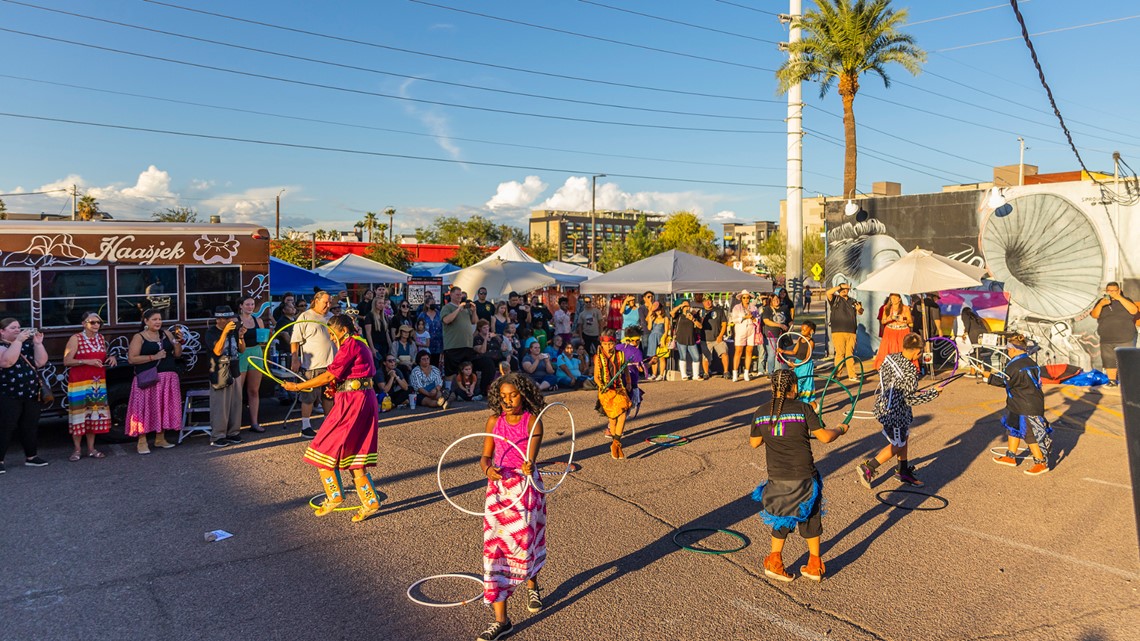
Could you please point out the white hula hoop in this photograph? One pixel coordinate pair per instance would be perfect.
(265, 366)
(780, 356)
(569, 461)
(444, 576)
(439, 474)
(863, 415)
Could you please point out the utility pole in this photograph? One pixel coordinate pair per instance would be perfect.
(313, 251)
(1021, 162)
(278, 235)
(74, 203)
(594, 220)
(794, 269)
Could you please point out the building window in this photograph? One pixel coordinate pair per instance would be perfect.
(138, 289)
(208, 287)
(68, 293)
(16, 295)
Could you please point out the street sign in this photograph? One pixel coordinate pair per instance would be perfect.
(816, 271)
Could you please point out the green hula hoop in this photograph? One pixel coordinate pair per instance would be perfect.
(831, 379)
(743, 541)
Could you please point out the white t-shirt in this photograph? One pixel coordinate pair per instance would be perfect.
(561, 322)
(315, 345)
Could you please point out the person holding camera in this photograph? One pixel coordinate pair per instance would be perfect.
(21, 354)
(459, 320)
(227, 341)
(1115, 316)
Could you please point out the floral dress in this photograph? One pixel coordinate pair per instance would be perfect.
(87, 408)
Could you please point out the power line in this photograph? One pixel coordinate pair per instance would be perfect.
(591, 37)
(384, 95)
(878, 155)
(386, 73)
(34, 193)
(391, 130)
(958, 15)
(744, 6)
(362, 152)
(1039, 33)
(489, 65)
(678, 22)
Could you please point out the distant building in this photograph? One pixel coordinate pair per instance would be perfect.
(748, 236)
(569, 232)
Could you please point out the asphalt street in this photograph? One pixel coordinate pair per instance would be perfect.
(114, 548)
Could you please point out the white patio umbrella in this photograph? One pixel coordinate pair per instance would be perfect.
(503, 277)
(922, 271)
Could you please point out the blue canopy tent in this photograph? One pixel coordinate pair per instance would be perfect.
(428, 270)
(286, 277)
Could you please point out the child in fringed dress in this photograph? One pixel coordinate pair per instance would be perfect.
(793, 494)
(514, 536)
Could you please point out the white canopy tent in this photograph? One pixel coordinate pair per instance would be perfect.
(674, 272)
(508, 253)
(567, 274)
(351, 268)
(500, 277)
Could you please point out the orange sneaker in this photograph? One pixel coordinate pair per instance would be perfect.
(813, 570)
(1006, 459)
(774, 568)
(1038, 468)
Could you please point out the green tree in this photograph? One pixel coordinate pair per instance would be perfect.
(641, 242)
(451, 230)
(467, 255)
(774, 252)
(813, 253)
(88, 208)
(685, 232)
(844, 39)
(176, 215)
(292, 250)
(390, 254)
(369, 223)
(542, 251)
(614, 254)
(3, 211)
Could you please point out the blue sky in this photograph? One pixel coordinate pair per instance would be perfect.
(719, 78)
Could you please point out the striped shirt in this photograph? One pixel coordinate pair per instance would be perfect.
(787, 439)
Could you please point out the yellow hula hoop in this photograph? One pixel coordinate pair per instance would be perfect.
(265, 350)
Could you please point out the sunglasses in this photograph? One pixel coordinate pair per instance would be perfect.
(94, 322)
(389, 360)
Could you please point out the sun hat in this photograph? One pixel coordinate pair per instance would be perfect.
(743, 293)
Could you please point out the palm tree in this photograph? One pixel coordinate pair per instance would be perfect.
(391, 213)
(88, 208)
(369, 223)
(844, 39)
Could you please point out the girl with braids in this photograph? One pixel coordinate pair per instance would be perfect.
(514, 538)
(611, 374)
(792, 495)
(347, 439)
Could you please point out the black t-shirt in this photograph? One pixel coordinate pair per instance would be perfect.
(712, 321)
(484, 310)
(684, 330)
(540, 313)
(523, 317)
(19, 380)
(787, 441)
(843, 316)
(1115, 325)
(776, 315)
(1022, 382)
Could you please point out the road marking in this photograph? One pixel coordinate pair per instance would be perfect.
(1068, 391)
(781, 622)
(1120, 485)
(1132, 576)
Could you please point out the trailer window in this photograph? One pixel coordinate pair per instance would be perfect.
(208, 287)
(140, 288)
(16, 295)
(68, 293)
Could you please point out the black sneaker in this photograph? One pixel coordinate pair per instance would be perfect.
(35, 461)
(534, 599)
(222, 442)
(308, 432)
(497, 630)
(234, 440)
(906, 475)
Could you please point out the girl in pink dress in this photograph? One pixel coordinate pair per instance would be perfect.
(514, 538)
(347, 438)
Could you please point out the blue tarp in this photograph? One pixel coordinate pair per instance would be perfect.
(286, 277)
(427, 270)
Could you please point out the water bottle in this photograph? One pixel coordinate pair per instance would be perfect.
(412, 401)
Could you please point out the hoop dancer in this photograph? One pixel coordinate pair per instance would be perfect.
(612, 377)
(347, 439)
(514, 538)
(1024, 407)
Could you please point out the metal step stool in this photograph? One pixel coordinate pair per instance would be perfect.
(197, 403)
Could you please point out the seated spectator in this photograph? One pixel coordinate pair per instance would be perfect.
(427, 382)
(466, 385)
(391, 383)
(555, 347)
(569, 369)
(538, 366)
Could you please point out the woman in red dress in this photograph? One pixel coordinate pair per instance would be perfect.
(347, 438)
(86, 359)
(895, 319)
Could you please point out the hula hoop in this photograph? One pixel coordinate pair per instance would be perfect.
(943, 383)
(266, 369)
(344, 508)
(265, 350)
(831, 379)
(439, 474)
(917, 508)
(569, 461)
(953, 346)
(780, 357)
(672, 440)
(863, 415)
(743, 541)
(570, 467)
(1000, 451)
(444, 576)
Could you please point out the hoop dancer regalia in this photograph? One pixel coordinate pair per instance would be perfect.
(347, 439)
(1024, 417)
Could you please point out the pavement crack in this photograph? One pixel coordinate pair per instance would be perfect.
(1020, 633)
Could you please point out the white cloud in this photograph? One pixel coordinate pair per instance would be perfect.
(256, 206)
(515, 195)
(151, 184)
(726, 216)
(575, 195)
(435, 121)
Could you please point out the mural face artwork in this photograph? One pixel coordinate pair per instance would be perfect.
(1051, 252)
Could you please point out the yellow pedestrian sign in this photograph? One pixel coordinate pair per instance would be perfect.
(816, 271)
